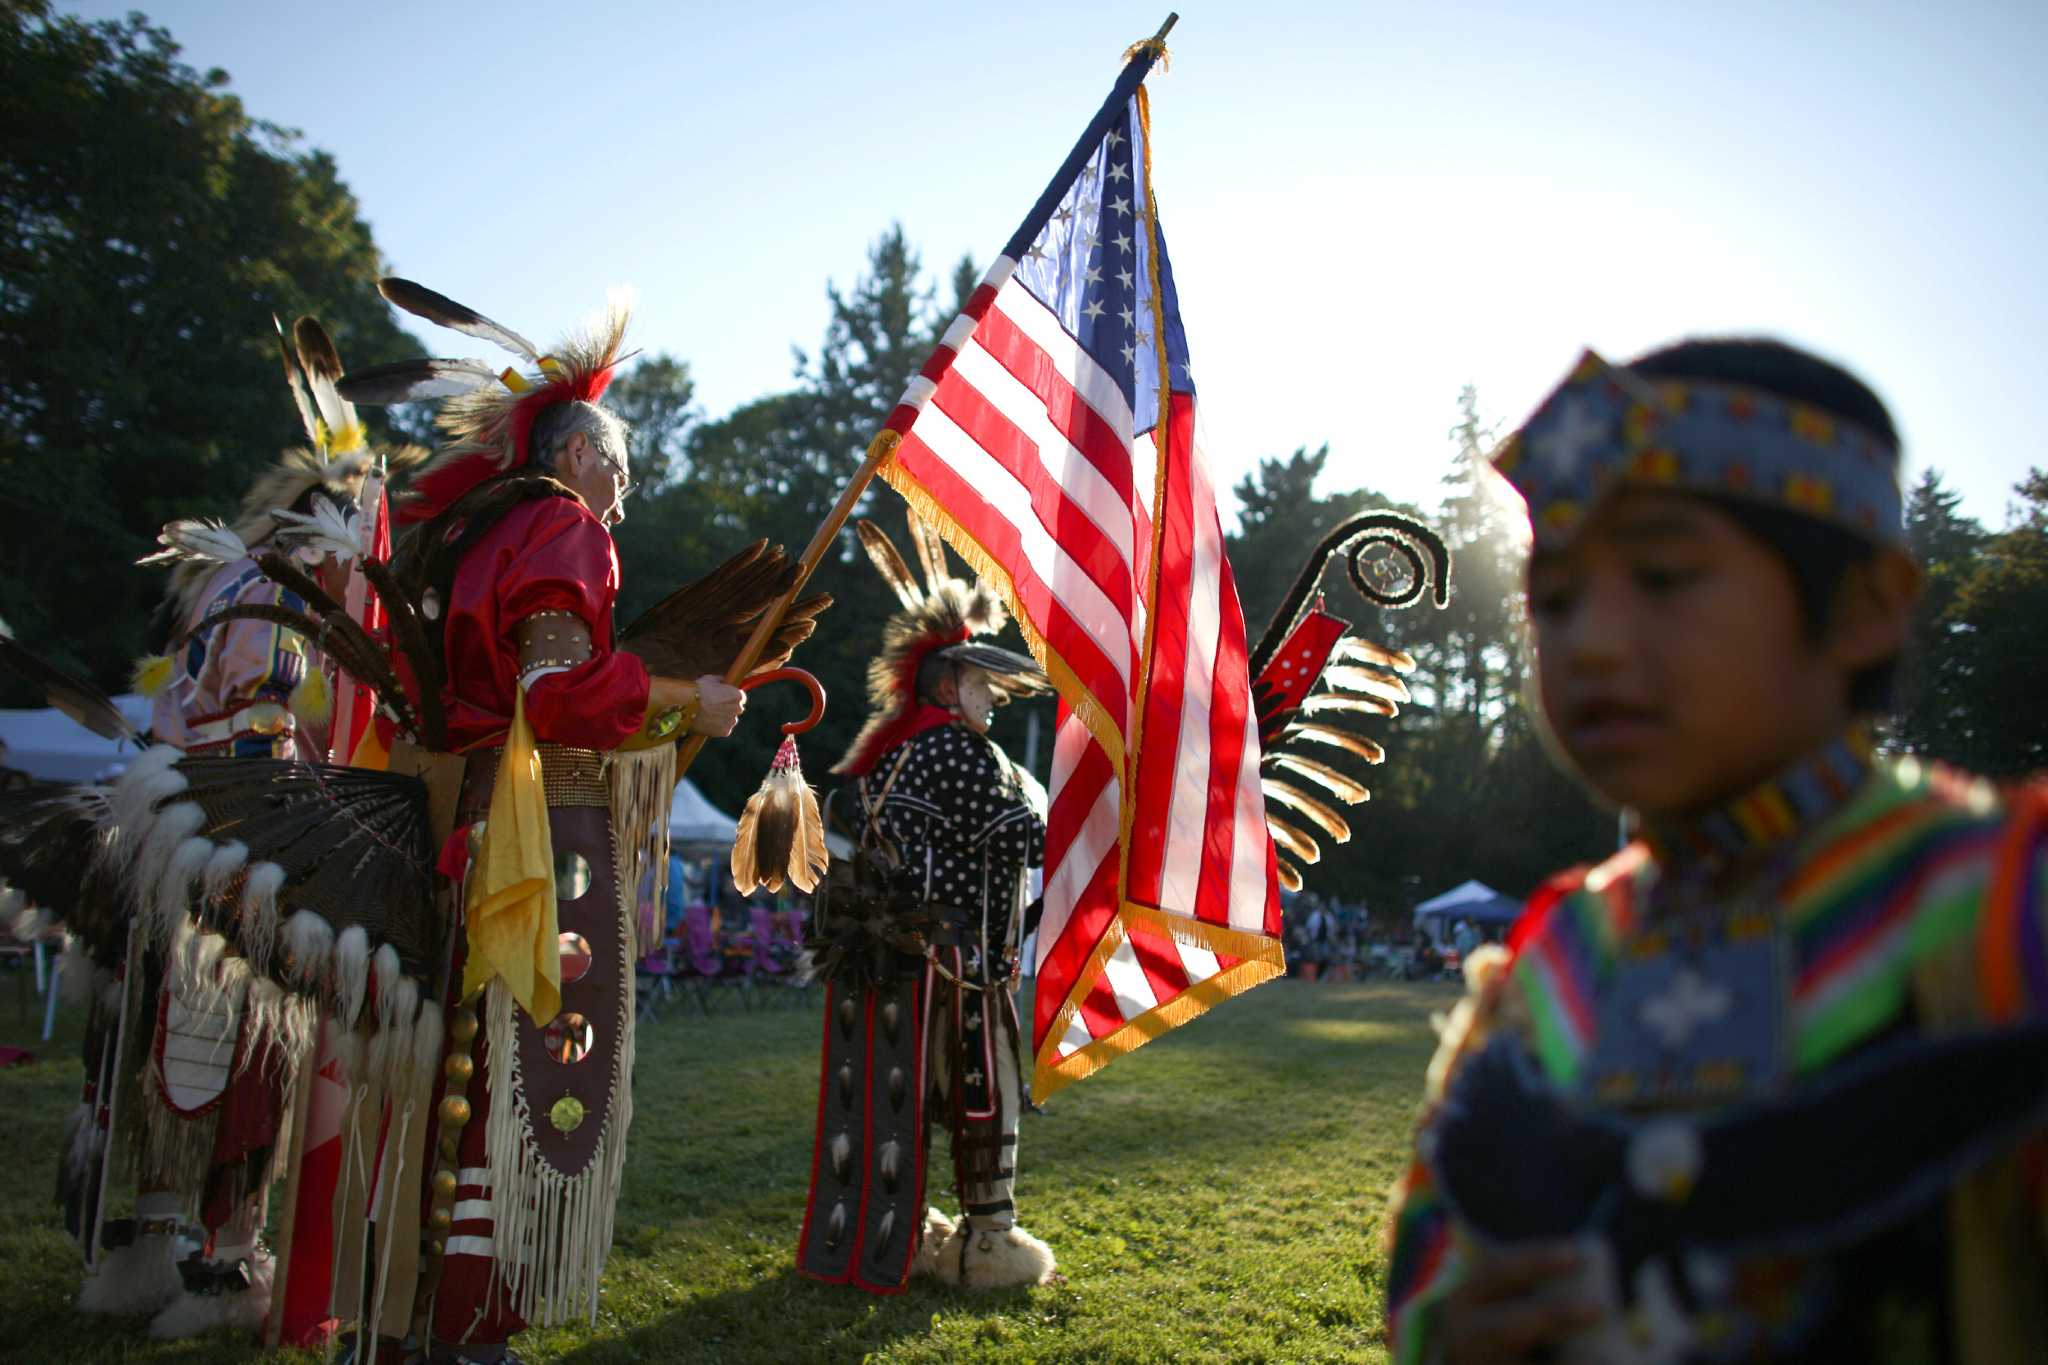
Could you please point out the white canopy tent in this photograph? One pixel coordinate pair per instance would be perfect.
(50, 746)
(695, 826)
(1472, 900)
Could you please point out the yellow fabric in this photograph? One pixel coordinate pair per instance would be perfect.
(511, 901)
(370, 751)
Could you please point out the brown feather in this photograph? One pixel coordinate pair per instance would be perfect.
(1348, 678)
(1293, 840)
(293, 382)
(930, 547)
(438, 308)
(1331, 735)
(407, 381)
(781, 837)
(316, 349)
(1379, 656)
(889, 563)
(701, 627)
(74, 696)
(1347, 701)
(1345, 789)
(1290, 875)
(808, 856)
(1314, 811)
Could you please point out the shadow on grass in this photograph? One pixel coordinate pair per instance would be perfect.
(788, 1317)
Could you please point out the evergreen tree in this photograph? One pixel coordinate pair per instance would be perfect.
(1930, 717)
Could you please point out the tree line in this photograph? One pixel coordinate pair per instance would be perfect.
(150, 226)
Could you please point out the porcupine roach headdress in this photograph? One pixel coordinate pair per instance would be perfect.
(941, 619)
(335, 460)
(489, 412)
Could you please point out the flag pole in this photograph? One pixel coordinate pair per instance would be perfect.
(884, 444)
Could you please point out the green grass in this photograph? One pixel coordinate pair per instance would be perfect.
(1213, 1197)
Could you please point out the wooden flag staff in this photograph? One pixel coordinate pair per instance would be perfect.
(879, 452)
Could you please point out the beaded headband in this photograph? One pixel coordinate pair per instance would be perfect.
(1606, 426)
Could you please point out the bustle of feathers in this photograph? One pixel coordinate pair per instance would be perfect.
(781, 836)
(1356, 676)
(701, 627)
(487, 424)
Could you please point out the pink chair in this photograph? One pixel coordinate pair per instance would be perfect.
(703, 965)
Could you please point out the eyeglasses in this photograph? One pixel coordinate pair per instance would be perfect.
(618, 467)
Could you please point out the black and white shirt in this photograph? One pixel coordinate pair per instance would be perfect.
(960, 814)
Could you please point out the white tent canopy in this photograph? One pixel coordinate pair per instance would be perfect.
(692, 820)
(1473, 900)
(49, 745)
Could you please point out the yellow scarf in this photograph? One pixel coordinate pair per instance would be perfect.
(511, 900)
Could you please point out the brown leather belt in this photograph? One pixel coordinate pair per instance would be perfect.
(570, 777)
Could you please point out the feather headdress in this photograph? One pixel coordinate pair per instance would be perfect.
(336, 458)
(488, 413)
(941, 618)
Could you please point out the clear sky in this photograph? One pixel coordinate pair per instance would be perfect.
(1369, 205)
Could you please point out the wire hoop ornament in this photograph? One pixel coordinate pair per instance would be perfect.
(1392, 559)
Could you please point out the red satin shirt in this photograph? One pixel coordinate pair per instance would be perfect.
(550, 554)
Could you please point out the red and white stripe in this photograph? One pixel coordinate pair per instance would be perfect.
(1027, 447)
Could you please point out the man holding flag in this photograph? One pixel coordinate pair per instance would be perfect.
(1049, 439)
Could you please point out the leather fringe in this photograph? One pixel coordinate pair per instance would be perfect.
(643, 784)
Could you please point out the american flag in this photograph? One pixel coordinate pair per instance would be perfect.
(1051, 437)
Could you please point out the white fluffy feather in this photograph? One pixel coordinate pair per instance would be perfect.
(197, 538)
(351, 974)
(329, 528)
(308, 941)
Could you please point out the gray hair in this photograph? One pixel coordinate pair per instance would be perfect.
(556, 424)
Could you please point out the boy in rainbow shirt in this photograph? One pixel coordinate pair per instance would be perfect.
(1771, 1083)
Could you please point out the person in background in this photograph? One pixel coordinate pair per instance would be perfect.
(1464, 938)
